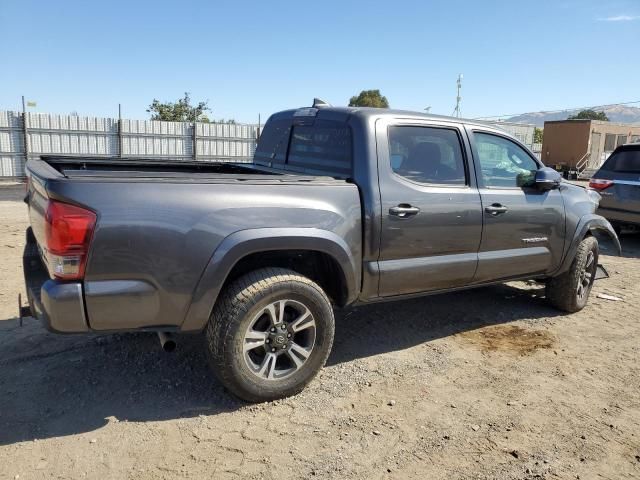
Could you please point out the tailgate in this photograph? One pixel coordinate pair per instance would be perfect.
(37, 200)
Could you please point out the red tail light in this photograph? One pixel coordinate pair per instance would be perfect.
(598, 184)
(68, 234)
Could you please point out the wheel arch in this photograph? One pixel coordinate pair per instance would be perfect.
(589, 225)
(275, 247)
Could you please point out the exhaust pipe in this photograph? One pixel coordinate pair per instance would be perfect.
(167, 342)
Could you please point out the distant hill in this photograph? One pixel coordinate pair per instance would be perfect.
(618, 113)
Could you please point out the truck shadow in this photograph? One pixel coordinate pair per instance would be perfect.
(629, 240)
(630, 245)
(374, 329)
(63, 385)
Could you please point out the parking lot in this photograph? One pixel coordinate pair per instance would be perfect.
(487, 383)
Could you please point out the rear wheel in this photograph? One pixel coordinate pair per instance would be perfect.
(270, 333)
(570, 291)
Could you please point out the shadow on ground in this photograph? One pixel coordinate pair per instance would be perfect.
(630, 245)
(53, 385)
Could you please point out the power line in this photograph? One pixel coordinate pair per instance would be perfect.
(557, 111)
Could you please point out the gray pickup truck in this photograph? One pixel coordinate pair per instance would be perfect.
(340, 206)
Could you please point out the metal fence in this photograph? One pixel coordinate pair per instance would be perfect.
(522, 131)
(29, 135)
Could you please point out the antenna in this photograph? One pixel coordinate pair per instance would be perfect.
(319, 103)
(456, 111)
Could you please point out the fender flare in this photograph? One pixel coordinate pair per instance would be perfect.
(245, 242)
(588, 223)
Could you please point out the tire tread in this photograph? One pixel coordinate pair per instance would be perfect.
(233, 304)
(560, 290)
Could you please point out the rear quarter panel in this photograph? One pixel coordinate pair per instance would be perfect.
(153, 240)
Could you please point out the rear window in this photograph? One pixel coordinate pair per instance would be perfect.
(625, 161)
(323, 148)
(273, 143)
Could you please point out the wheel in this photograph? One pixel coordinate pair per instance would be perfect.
(570, 290)
(269, 334)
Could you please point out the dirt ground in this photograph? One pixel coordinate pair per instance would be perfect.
(484, 384)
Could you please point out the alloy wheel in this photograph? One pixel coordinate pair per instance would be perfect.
(279, 339)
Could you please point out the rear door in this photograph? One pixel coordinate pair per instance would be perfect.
(431, 213)
(523, 232)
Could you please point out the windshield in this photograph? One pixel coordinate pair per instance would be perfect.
(627, 161)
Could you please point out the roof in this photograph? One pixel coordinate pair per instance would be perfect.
(370, 112)
(597, 122)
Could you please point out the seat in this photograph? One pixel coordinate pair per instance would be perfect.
(422, 162)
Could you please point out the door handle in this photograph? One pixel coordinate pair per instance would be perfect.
(404, 210)
(496, 209)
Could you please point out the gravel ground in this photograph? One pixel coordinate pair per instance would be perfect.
(490, 383)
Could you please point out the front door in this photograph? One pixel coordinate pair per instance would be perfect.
(523, 231)
(431, 213)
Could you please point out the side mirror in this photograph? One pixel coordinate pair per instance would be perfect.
(547, 179)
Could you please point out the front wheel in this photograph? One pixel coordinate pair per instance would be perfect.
(570, 290)
(270, 333)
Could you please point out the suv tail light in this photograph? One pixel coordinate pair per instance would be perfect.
(598, 184)
(68, 232)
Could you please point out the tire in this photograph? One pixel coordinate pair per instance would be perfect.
(259, 353)
(570, 291)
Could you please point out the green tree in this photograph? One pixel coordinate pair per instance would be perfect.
(369, 98)
(180, 111)
(537, 135)
(589, 115)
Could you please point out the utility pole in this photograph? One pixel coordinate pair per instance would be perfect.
(456, 111)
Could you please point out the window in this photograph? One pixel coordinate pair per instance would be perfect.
(625, 161)
(324, 146)
(622, 139)
(427, 155)
(504, 163)
(609, 142)
(272, 146)
(635, 139)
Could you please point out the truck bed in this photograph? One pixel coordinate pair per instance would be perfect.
(121, 169)
(159, 224)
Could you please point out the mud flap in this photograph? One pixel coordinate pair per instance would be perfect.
(601, 272)
(23, 312)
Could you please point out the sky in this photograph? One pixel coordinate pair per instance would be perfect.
(258, 57)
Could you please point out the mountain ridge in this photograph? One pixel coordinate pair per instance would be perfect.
(616, 114)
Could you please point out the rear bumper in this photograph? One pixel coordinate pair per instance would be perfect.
(620, 216)
(59, 305)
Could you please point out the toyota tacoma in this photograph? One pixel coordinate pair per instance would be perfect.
(340, 206)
